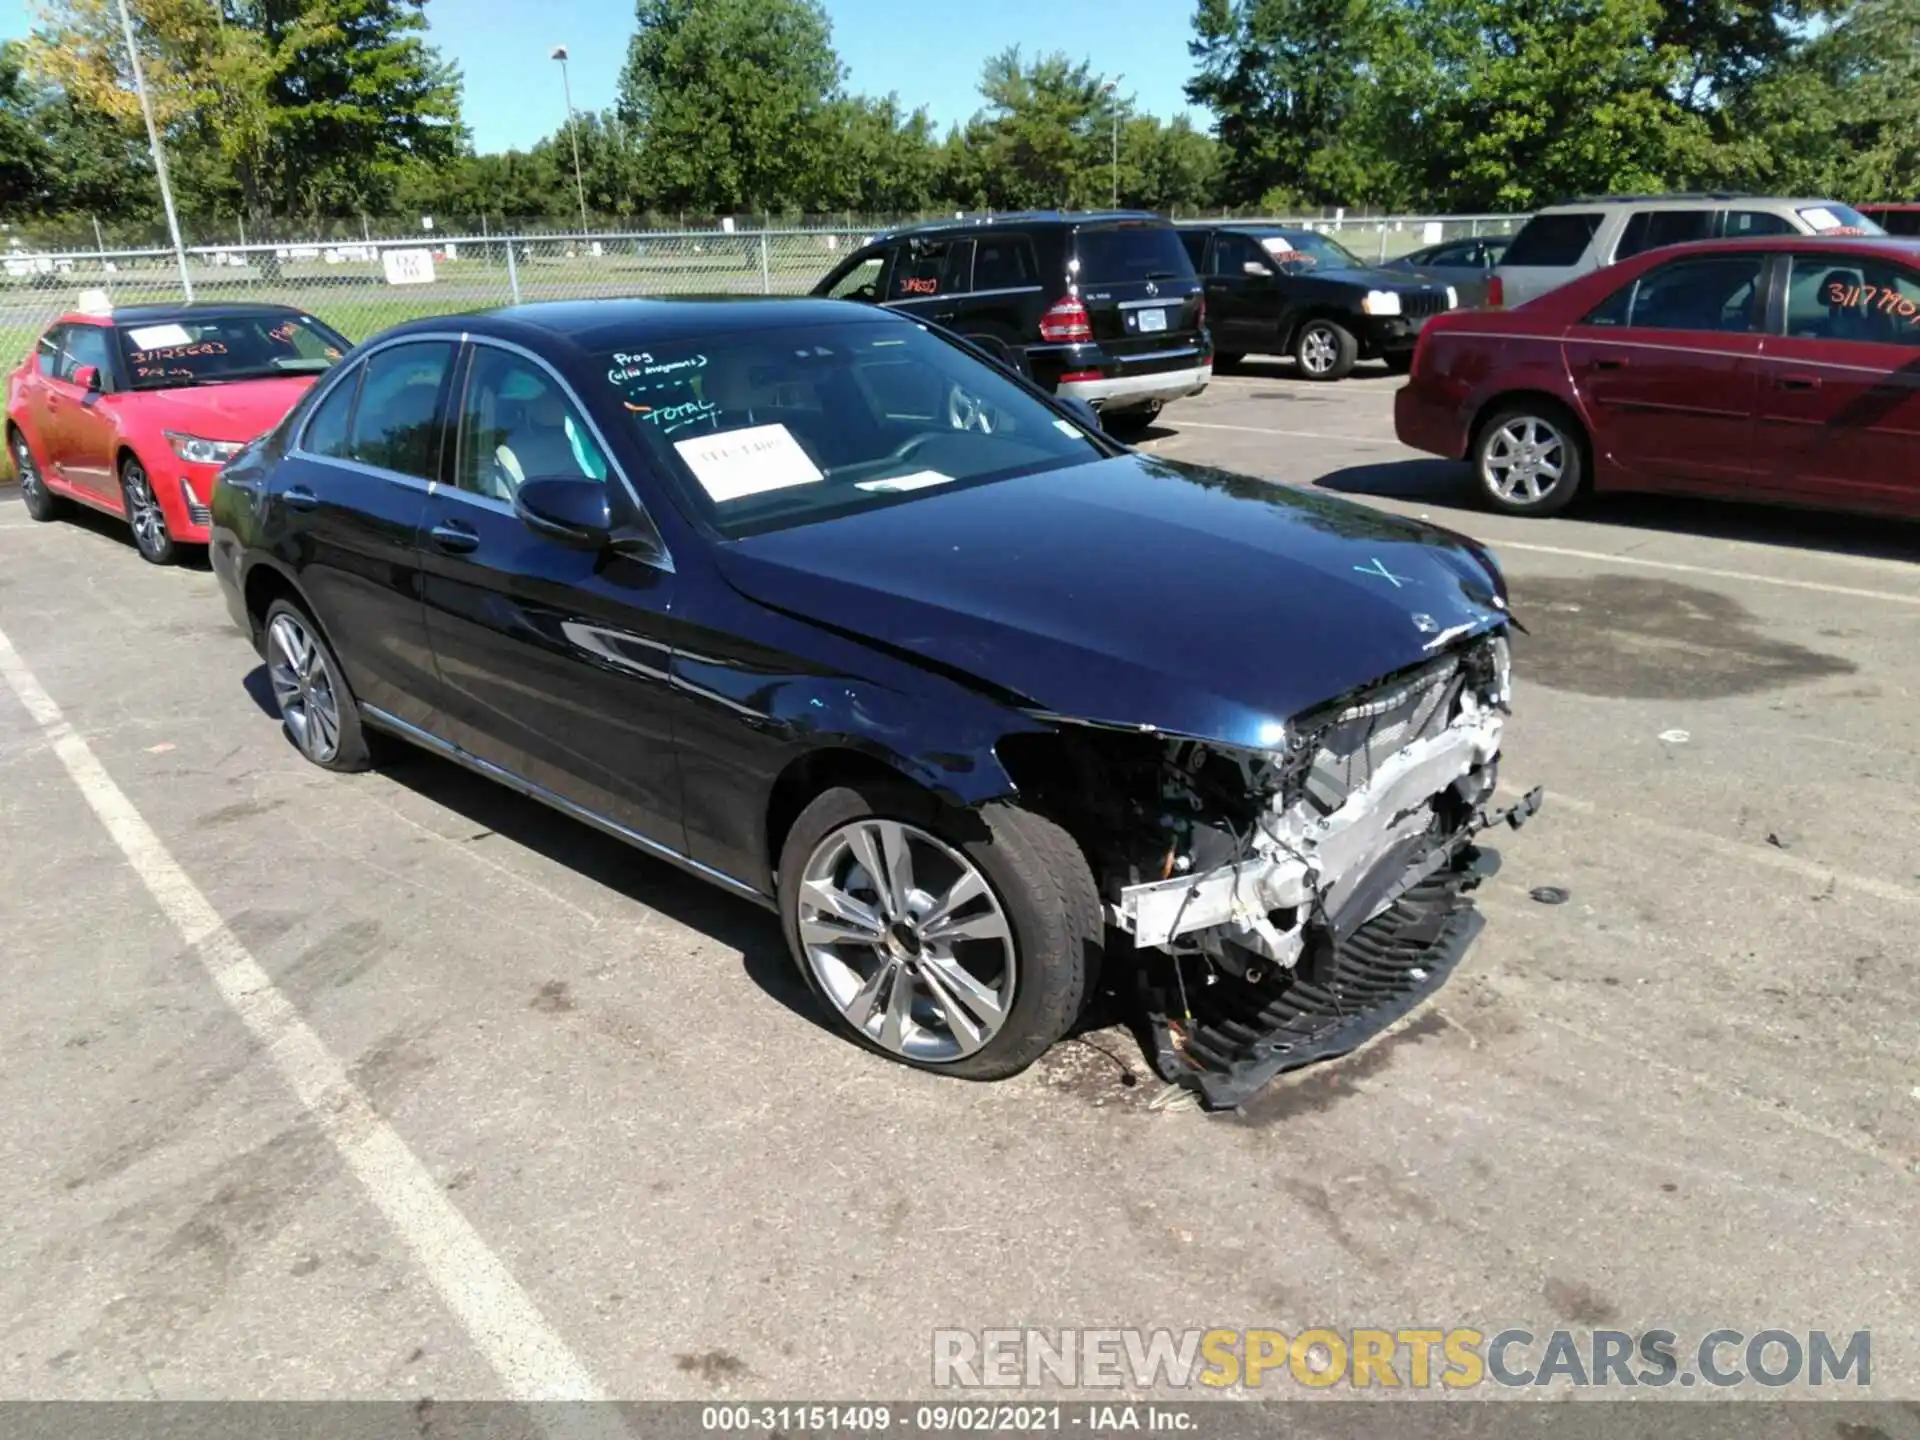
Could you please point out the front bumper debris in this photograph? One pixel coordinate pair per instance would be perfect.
(1224, 1036)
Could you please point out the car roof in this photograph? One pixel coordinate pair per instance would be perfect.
(158, 314)
(1015, 217)
(1248, 227)
(605, 324)
(1685, 200)
(1897, 247)
(1881, 207)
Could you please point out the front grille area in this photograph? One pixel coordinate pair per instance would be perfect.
(1419, 304)
(1355, 740)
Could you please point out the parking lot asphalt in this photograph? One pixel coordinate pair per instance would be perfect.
(582, 1128)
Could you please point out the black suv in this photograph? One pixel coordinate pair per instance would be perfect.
(1100, 306)
(1282, 291)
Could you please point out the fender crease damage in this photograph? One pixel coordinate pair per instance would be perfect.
(1286, 904)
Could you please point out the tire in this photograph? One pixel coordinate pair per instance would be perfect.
(1033, 914)
(1530, 459)
(36, 499)
(1398, 362)
(150, 535)
(305, 676)
(1129, 424)
(1325, 350)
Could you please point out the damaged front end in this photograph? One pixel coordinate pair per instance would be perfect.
(1286, 903)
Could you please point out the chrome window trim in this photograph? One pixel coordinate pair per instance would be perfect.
(1156, 355)
(663, 560)
(1160, 302)
(427, 740)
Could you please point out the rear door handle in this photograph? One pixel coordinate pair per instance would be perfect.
(454, 538)
(1798, 382)
(301, 498)
(1614, 363)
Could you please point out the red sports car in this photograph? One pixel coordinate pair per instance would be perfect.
(134, 412)
(1784, 369)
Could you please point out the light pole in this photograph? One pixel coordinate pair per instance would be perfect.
(1111, 90)
(159, 155)
(573, 130)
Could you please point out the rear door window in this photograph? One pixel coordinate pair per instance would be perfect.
(1108, 253)
(1553, 240)
(1866, 301)
(1716, 293)
(1003, 262)
(396, 425)
(1650, 229)
(928, 268)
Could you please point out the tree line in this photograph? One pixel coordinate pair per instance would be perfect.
(282, 115)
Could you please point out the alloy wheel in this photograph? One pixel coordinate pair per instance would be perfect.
(1318, 350)
(303, 686)
(32, 487)
(143, 510)
(906, 938)
(1524, 460)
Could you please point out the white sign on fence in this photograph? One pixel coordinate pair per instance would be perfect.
(408, 267)
(1430, 233)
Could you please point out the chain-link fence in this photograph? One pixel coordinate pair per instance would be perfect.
(362, 286)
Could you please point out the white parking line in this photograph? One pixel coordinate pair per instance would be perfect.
(1679, 568)
(1185, 424)
(531, 1359)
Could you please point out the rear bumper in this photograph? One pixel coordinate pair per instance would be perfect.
(1124, 392)
(1422, 422)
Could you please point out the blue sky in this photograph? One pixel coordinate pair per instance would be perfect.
(929, 56)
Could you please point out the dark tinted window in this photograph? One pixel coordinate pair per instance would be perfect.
(328, 432)
(1003, 262)
(1233, 253)
(1552, 239)
(1711, 293)
(395, 424)
(1650, 229)
(1744, 224)
(1130, 252)
(1867, 301)
(1899, 222)
(1196, 243)
(926, 268)
(82, 345)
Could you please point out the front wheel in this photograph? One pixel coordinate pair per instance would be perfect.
(1529, 460)
(144, 514)
(39, 502)
(958, 941)
(1325, 351)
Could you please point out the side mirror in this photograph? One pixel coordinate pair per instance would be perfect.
(1081, 411)
(572, 512)
(1254, 267)
(87, 377)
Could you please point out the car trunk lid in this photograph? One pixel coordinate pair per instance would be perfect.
(1141, 295)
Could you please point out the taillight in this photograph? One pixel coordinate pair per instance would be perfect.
(1201, 321)
(1075, 376)
(1067, 321)
(1496, 293)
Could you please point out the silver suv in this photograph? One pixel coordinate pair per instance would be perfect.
(1565, 241)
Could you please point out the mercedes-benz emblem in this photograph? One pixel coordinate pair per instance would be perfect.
(1152, 289)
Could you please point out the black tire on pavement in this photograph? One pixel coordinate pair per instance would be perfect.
(297, 683)
(1325, 350)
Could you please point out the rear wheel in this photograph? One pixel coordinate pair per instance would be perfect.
(956, 941)
(39, 502)
(144, 514)
(1325, 351)
(1530, 459)
(316, 707)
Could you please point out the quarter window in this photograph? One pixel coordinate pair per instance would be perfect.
(1866, 301)
(862, 282)
(47, 352)
(329, 432)
(396, 424)
(516, 425)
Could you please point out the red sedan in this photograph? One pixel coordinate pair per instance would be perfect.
(1784, 369)
(134, 412)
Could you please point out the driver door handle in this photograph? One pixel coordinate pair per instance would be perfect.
(301, 498)
(454, 538)
(1611, 362)
(1798, 382)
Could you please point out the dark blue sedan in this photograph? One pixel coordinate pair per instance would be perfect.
(827, 608)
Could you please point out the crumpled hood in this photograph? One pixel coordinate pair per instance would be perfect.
(238, 410)
(1134, 591)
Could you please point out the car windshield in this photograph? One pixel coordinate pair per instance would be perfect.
(782, 427)
(1835, 219)
(1305, 250)
(214, 349)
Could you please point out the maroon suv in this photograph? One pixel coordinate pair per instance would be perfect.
(1784, 369)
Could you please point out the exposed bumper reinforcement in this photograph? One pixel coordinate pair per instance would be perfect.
(1235, 1036)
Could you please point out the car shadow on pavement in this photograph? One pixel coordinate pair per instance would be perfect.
(1276, 367)
(112, 527)
(684, 899)
(1450, 483)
